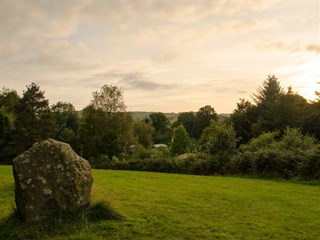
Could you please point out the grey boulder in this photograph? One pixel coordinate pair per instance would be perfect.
(51, 180)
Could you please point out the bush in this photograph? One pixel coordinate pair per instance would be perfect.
(293, 140)
(180, 140)
(310, 165)
(144, 153)
(294, 155)
(263, 141)
(241, 163)
(218, 138)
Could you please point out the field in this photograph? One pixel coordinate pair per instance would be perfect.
(169, 206)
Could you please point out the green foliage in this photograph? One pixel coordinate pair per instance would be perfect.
(218, 138)
(263, 141)
(287, 157)
(143, 133)
(243, 119)
(33, 120)
(311, 119)
(289, 111)
(204, 117)
(144, 153)
(106, 130)
(273, 110)
(8, 99)
(109, 99)
(187, 119)
(310, 164)
(180, 140)
(269, 92)
(272, 144)
(294, 140)
(67, 135)
(67, 123)
(161, 125)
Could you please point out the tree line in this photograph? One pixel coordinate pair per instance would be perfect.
(275, 134)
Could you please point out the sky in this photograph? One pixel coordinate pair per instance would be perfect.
(166, 56)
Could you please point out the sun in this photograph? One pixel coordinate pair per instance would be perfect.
(305, 78)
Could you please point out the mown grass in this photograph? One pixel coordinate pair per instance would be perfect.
(170, 206)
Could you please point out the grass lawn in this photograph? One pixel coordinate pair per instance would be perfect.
(170, 206)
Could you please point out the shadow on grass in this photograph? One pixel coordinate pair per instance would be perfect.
(13, 228)
(101, 211)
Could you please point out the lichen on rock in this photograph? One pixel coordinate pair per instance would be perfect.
(52, 179)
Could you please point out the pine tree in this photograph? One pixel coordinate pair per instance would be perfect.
(267, 100)
(33, 119)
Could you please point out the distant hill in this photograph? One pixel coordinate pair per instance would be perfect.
(142, 115)
(171, 116)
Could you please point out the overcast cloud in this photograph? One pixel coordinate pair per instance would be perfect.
(166, 55)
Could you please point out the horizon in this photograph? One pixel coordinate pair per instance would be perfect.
(175, 57)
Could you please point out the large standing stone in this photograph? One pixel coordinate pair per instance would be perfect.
(51, 179)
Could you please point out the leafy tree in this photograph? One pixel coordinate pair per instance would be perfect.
(92, 127)
(161, 124)
(187, 119)
(180, 140)
(311, 119)
(65, 116)
(106, 130)
(109, 99)
(218, 138)
(6, 127)
(243, 118)
(273, 110)
(67, 123)
(8, 100)
(67, 135)
(33, 119)
(159, 121)
(204, 117)
(288, 111)
(143, 133)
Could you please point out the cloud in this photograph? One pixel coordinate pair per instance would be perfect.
(314, 48)
(170, 11)
(166, 57)
(35, 33)
(55, 55)
(138, 80)
(292, 47)
(127, 80)
(40, 18)
(159, 52)
(280, 45)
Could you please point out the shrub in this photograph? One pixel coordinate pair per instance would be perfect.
(143, 153)
(218, 138)
(263, 141)
(293, 139)
(310, 165)
(180, 140)
(241, 163)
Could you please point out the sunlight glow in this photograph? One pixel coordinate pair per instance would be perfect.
(304, 78)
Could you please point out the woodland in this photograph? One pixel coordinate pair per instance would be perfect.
(274, 134)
